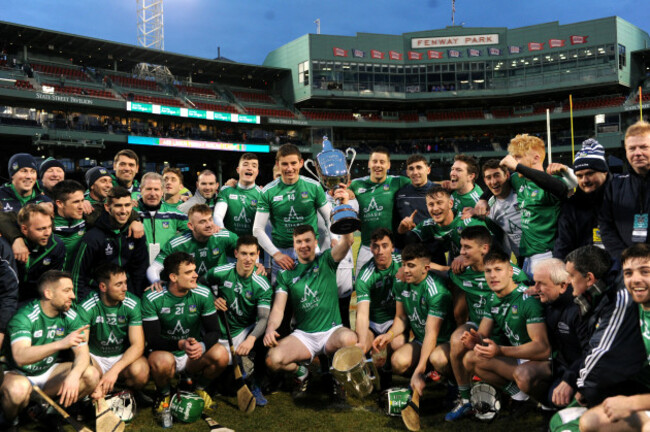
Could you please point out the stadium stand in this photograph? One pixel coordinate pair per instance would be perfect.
(471, 114)
(322, 115)
(270, 112)
(197, 91)
(59, 70)
(214, 107)
(246, 96)
(158, 100)
(136, 83)
(84, 91)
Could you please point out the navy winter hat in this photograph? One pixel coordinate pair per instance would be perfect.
(47, 164)
(591, 156)
(21, 160)
(94, 174)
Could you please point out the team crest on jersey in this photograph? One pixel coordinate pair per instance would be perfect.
(60, 331)
(121, 319)
(386, 187)
(192, 308)
(423, 301)
(47, 261)
(248, 294)
(165, 224)
(81, 233)
(131, 245)
(38, 333)
(254, 203)
(515, 309)
(304, 194)
(109, 250)
(315, 269)
(215, 251)
(534, 193)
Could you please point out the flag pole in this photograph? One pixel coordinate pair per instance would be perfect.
(573, 152)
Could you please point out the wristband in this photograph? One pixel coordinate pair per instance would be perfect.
(392, 335)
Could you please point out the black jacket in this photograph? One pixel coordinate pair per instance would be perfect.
(625, 196)
(616, 351)
(8, 285)
(578, 219)
(9, 201)
(568, 336)
(41, 259)
(105, 243)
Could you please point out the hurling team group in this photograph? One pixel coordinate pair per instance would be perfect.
(538, 285)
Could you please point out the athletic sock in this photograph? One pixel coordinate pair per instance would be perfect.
(514, 392)
(463, 391)
(301, 373)
(520, 396)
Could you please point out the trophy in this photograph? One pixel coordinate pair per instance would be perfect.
(332, 168)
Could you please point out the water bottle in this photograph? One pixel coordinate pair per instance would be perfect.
(166, 417)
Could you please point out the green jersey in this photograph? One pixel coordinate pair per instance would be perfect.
(290, 206)
(313, 293)
(180, 317)
(512, 313)
(477, 291)
(109, 325)
(242, 206)
(539, 214)
(376, 202)
(243, 296)
(427, 298)
(376, 286)
(428, 230)
(162, 224)
(30, 323)
(206, 255)
(644, 315)
(70, 231)
(466, 200)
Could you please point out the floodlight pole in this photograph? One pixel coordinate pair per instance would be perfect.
(453, 12)
(317, 22)
(151, 28)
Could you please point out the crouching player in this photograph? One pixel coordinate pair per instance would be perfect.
(246, 297)
(629, 413)
(38, 332)
(311, 288)
(173, 321)
(116, 339)
(513, 315)
(425, 306)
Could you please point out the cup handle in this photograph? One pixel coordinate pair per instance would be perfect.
(306, 166)
(371, 369)
(353, 152)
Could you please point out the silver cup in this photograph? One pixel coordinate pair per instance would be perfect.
(332, 169)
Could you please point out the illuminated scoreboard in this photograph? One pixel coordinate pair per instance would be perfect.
(191, 113)
(198, 145)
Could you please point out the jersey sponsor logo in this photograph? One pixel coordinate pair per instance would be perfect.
(372, 206)
(293, 216)
(510, 334)
(482, 301)
(38, 333)
(234, 306)
(238, 288)
(242, 217)
(108, 250)
(277, 198)
(8, 207)
(178, 329)
(165, 310)
(112, 340)
(304, 195)
(415, 318)
(47, 261)
(202, 268)
(646, 331)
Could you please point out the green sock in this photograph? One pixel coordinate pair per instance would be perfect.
(464, 392)
(302, 372)
(511, 388)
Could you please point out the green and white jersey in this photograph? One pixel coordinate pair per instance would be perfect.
(242, 205)
(109, 325)
(468, 199)
(539, 214)
(30, 323)
(313, 293)
(477, 291)
(644, 316)
(70, 231)
(290, 206)
(428, 298)
(163, 224)
(243, 296)
(206, 255)
(428, 230)
(376, 201)
(180, 317)
(512, 313)
(376, 286)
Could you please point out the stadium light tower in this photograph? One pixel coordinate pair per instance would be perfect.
(151, 34)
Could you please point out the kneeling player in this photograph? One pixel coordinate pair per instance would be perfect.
(116, 338)
(38, 332)
(247, 297)
(173, 319)
(512, 314)
(311, 288)
(424, 305)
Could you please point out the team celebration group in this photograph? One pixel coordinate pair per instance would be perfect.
(538, 286)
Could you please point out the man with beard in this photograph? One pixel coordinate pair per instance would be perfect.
(462, 182)
(100, 183)
(126, 165)
(207, 188)
(578, 222)
(38, 332)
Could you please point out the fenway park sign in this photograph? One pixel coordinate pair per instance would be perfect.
(454, 41)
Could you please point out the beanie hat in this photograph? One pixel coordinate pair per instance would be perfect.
(21, 160)
(591, 156)
(94, 174)
(47, 164)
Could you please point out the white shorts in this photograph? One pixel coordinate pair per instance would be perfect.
(38, 380)
(379, 329)
(363, 257)
(344, 281)
(105, 363)
(315, 342)
(236, 341)
(181, 362)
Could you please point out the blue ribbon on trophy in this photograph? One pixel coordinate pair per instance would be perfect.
(332, 169)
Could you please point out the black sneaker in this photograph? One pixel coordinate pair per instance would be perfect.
(300, 387)
(385, 379)
(338, 391)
